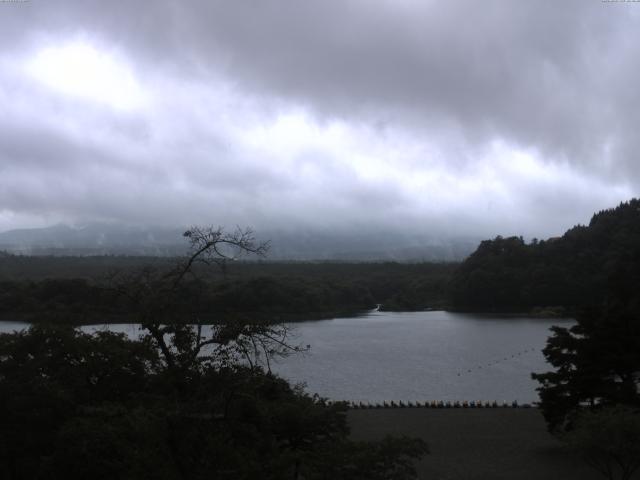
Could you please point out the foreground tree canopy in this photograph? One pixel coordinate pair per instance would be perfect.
(597, 363)
(101, 406)
(181, 402)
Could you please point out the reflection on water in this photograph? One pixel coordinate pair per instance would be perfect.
(413, 356)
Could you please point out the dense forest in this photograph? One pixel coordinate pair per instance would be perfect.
(553, 276)
(571, 271)
(77, 288)
(591, 396)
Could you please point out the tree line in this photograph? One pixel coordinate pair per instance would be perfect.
(572, 271)
(278, 291)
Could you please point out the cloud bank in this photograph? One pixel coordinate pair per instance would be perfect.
(457, 118)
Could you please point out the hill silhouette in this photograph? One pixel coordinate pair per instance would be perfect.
(571, 271)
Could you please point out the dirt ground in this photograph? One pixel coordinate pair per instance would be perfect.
(477, 444)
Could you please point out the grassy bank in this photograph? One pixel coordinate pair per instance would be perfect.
(476, 444)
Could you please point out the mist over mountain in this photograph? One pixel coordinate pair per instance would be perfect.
(296, 245)
(92, 239)
(367, 246)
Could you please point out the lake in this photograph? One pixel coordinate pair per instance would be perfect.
(414, 356)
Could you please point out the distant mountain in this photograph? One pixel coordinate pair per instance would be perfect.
(297, 245)
(578, 269)
(93, 239)
(378, 246)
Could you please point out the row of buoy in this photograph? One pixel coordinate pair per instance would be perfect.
(438, 404)
(495, 362)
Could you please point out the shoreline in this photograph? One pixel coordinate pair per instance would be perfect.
(283, 317)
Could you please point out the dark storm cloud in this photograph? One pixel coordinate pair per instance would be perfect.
(436, 101)
(556, 76)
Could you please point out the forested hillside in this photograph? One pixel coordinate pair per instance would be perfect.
(77, 289)
(503, 274)
(571, 271)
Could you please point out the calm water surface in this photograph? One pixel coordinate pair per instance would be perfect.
(422, 356)
(414, 356)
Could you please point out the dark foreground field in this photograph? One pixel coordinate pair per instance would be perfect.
(477, 444)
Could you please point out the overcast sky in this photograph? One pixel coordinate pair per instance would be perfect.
(471, 117)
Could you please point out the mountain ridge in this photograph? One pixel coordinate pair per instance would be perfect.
(297, 245)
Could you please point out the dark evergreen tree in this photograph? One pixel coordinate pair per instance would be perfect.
(597, 361)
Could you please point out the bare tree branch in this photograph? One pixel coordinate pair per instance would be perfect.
(155, 293)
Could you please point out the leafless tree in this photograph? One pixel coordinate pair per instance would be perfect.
(179, 333)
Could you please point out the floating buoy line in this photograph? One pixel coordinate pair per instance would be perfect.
(496, 362)
(435, 404)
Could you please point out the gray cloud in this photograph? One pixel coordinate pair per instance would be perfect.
(487, 117)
